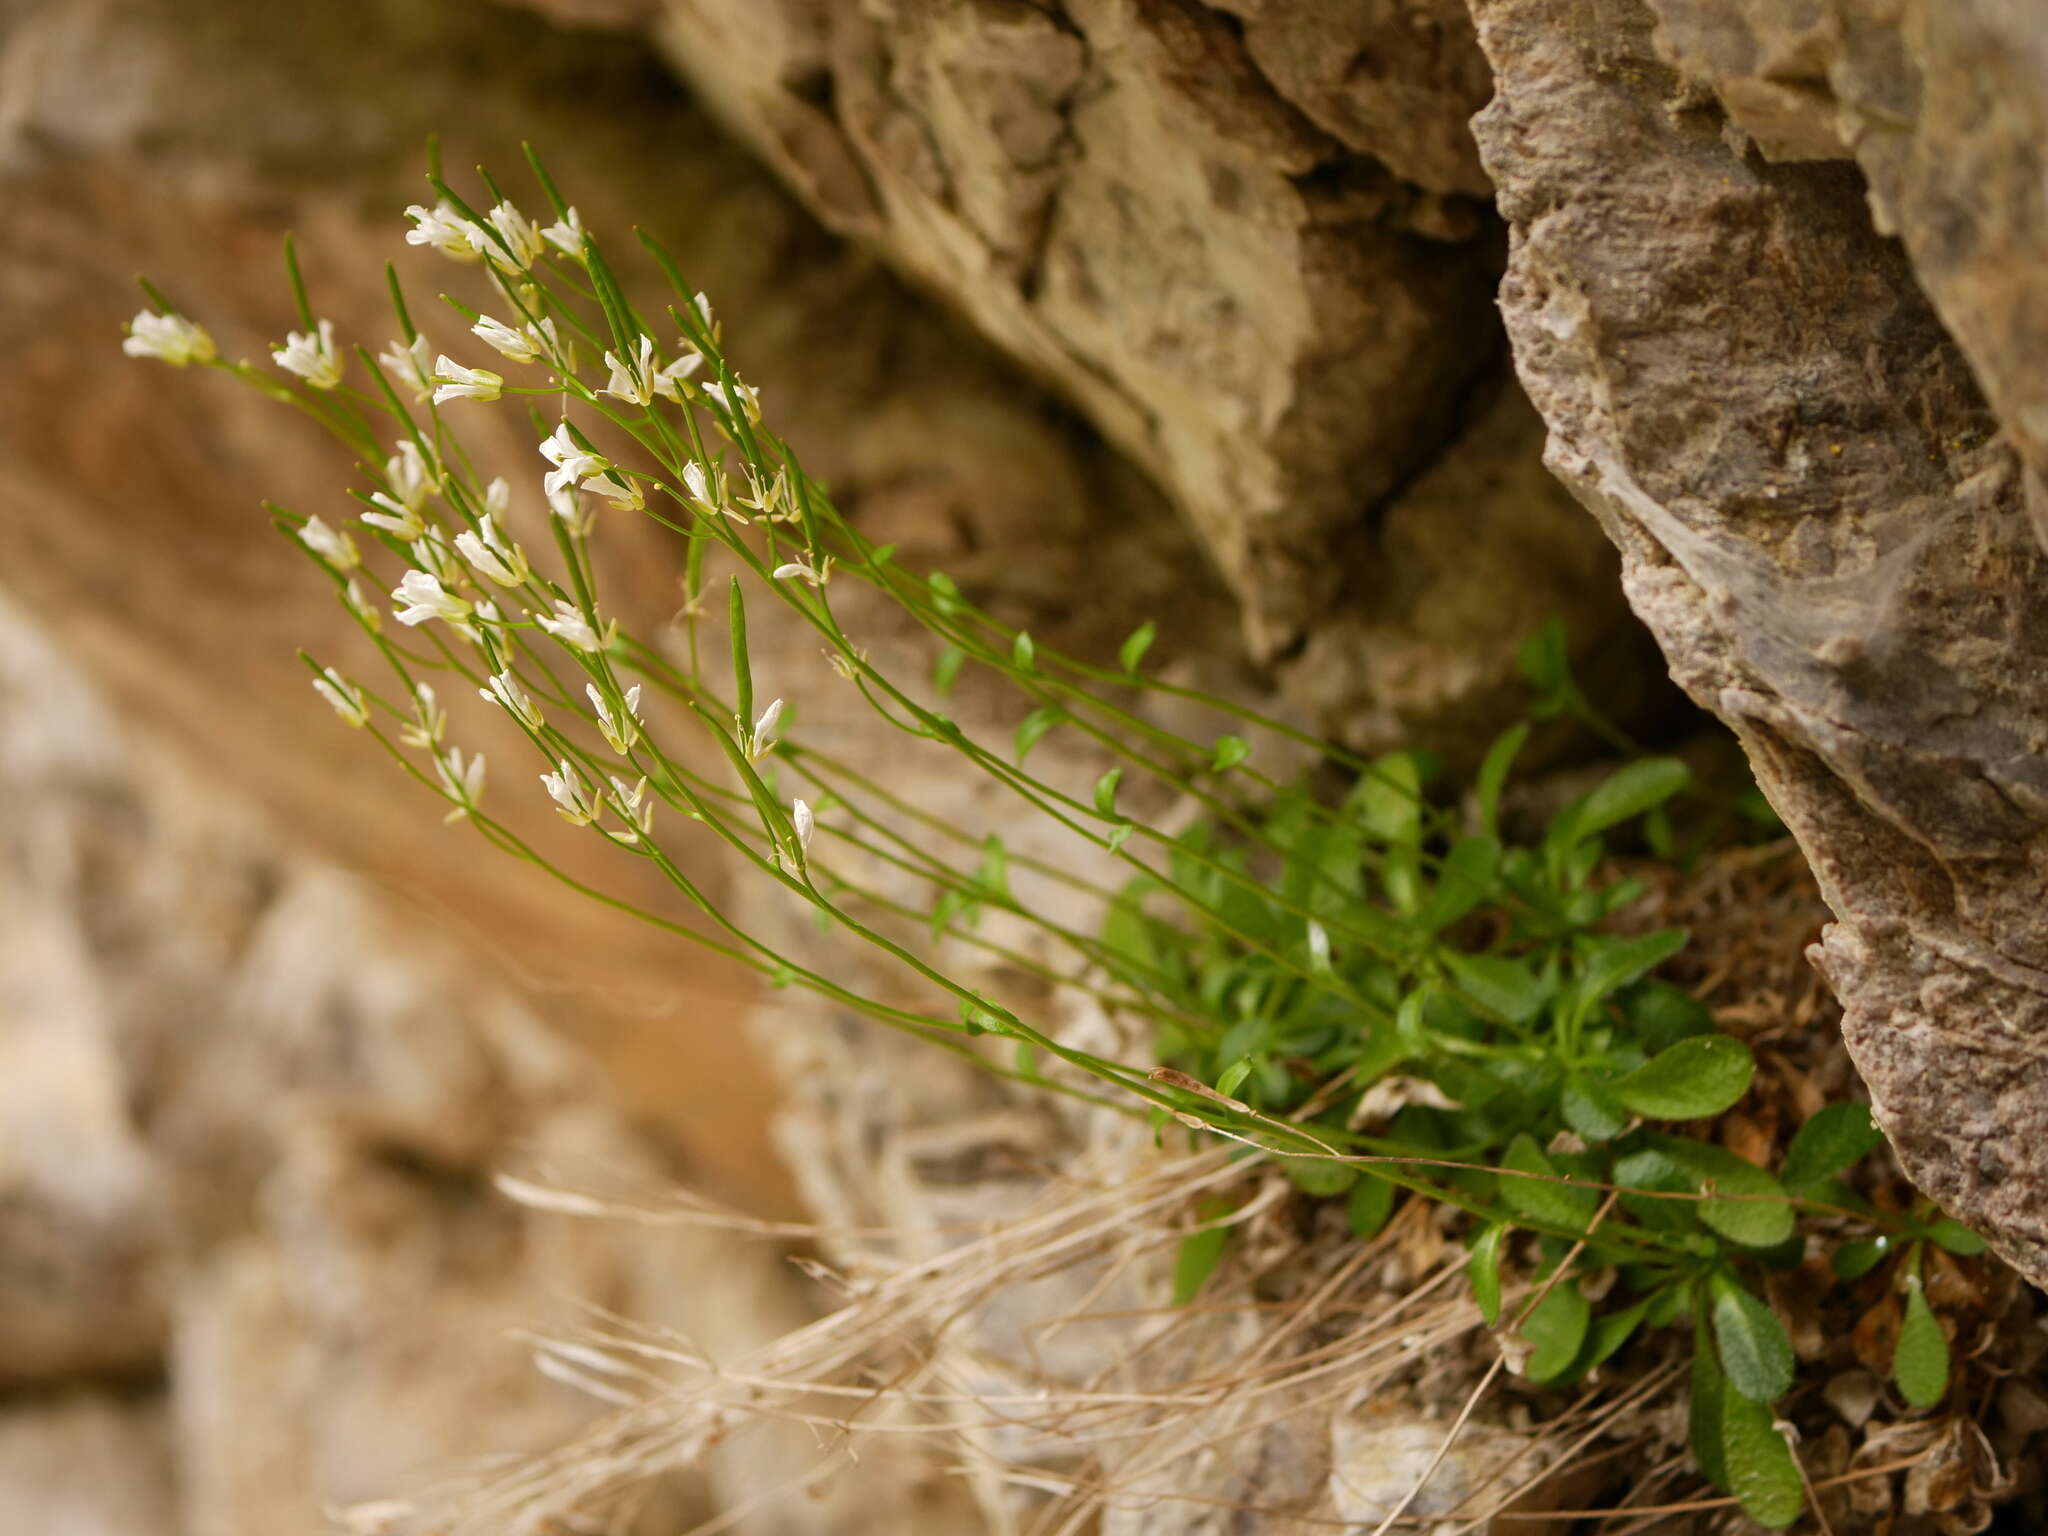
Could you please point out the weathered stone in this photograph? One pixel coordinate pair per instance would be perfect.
(1824, 529)
(1944, 105)
(1247, 241)
(86, 1463)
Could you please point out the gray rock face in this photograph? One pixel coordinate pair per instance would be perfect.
(1823, 526)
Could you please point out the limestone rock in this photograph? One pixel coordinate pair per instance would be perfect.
(87, 1463)
(1249, 240)
(1823, 526)
(1944, 106)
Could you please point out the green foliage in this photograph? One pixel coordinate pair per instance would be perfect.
(1920, 1359)
(1294, 948)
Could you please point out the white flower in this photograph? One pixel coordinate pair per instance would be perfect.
(566, 235)
(453, 236)
(572, 461)
(423, 599)
(452, 381)
(168, 338)
(806, 824)
(463, 782)
(848, 667)
(336, 548)
(433, 555)
(486, 613)
(635, 809)
(369, 617)
(346, 698)
(410, 476)
(312, 357)
(498, 497)
(638, 381)
(407, 363)
(429, 721)
(394, 518)
(517, 343)
(522, 242)
(569, 626)
(513, 699)
(571, 798)
(760, 741)
(798, 570)
(769, 500)
(487, 550)
(707, 498)
(568, 506)
(699, 485)
(622, 730)
(741, 397)
(620, 489)
(703, 308)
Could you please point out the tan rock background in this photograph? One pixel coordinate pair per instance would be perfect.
(1109, 307)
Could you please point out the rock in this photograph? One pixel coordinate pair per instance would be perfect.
(1824, 528)
(1944, 106)
(1249, 240)
(88, 1464)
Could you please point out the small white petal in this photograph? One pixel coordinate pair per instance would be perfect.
(168, 338)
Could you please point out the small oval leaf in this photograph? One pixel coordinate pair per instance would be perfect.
(1754, 1349)
(1483, 1269)
(1694, 1078)
(1830, 1141)
(1920, 1360)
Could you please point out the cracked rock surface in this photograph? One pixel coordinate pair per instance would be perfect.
(1252, 242)
(1821, 517)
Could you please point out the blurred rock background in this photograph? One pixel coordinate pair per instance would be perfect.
(1112, 308)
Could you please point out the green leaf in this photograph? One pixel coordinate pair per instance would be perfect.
(1591, 1109)
(1610, 1331)
(1105, 791)
(1387, 800)
(1662, 1015)
(1542, 1200)
(1134, 648)
(1830, 1141)
(993, 873)
(1612, 962)
(1755, 1351)
(1023, 654)
(1762, 1219)
(1920, 1362)
(1233, 1076)
(1466, 878)
(1371, 1205)
(1230, 751)
(1483, 1269)
(1630, 791)
(1709, 1390)
(1493, 775)
(1859, 1256)
(1761, 1472)
(1556, 1328)
(1034, 727)
(947, 669)
(1318, 1176)
(1956, 1238)
(1696, 1077)
(1503, 987)
(1200, 1252)
(945, 594)
(1119, 835)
